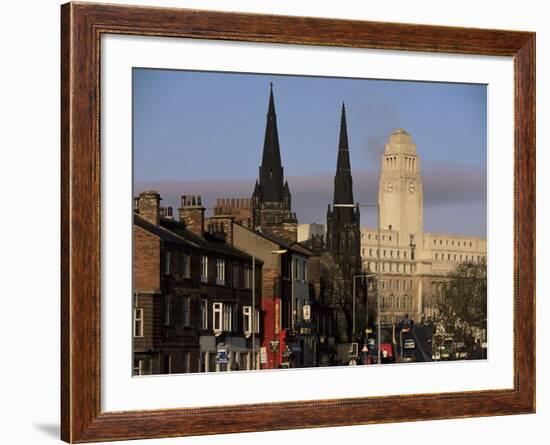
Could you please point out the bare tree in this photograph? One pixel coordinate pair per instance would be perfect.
(462, 304)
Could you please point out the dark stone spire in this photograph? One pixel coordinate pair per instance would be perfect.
(271, 170)
(343, 184)
(271, 200)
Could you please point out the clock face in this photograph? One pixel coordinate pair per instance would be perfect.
(412, 187)
(390, 187)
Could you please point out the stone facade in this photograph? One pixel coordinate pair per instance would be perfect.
(412, 264)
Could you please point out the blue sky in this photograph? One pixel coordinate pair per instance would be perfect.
(202, 132)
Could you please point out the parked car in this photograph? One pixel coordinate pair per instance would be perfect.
(409, 344)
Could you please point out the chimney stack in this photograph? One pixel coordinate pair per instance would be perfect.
(192, 213)
(166, 212)
(221, 227)
(148, 206)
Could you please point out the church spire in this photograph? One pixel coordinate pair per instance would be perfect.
(271, 170)
(343, 185)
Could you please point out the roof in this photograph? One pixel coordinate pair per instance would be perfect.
(298, 248)
(162, 233)
(174, 232)
(208, 242)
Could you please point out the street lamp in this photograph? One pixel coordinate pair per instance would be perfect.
(354, 297)
(379, 265)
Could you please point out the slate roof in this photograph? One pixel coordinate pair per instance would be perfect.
(175, 232)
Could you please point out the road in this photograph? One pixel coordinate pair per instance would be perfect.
(422, 337)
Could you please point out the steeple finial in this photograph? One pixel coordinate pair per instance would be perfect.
(271, 170)
(343, 188)
(343, 144)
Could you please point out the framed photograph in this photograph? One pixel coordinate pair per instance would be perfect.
(274, 222)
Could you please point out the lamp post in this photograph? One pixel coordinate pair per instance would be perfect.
(354, 298)
(379, 266)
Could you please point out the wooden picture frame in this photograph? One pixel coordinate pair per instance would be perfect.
(82, 26)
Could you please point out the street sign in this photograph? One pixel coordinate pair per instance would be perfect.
(222, 357)
(354, 350)
(263, 355)
(307, 312)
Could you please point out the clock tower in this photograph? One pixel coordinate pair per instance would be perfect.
(400, 192)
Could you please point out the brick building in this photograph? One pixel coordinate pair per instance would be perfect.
(193, 293)
(285, 292)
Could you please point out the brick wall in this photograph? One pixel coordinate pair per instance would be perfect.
(146, 260)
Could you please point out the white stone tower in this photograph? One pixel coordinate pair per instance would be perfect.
(400, 193)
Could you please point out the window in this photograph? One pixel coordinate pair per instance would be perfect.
(138, 322)
(186, 311)
(167, 258)
(142, 367)
(303, 271)
(186, 266)
(220, 271)
(167, 304)
(204, 269)
(247, 319)
(436, 256)
(247, 277)
(167, 364)
(370, 252)
(236, 272)
(227, 317)
(204, 314)
(217, 317)
(257, 322)
(186, 361)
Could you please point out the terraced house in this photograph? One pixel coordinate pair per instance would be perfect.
(193, 293)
